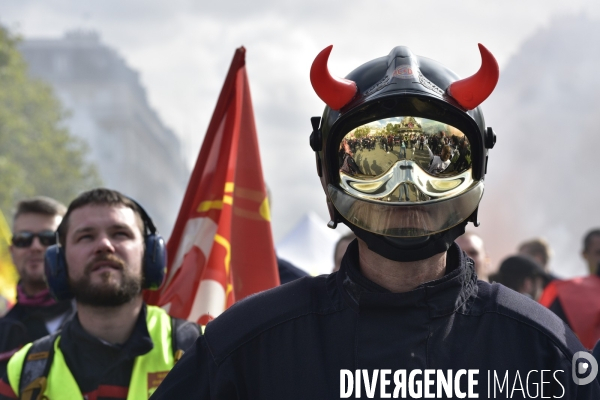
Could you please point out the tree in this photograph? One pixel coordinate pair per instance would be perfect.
(38, 155)
(389, 128)
(361, 132)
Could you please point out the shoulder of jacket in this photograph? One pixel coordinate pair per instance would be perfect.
(255, 314)
(498, 299)
(10, 327)
(14, 314)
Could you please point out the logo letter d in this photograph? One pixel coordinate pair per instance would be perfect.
(583, 367)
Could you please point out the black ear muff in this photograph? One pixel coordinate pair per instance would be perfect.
(155, 261)
(57, 277)
(155, 256)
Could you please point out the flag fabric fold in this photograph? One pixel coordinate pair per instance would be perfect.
(221, 249)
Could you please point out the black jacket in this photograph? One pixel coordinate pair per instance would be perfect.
(24, 324)
(292, 342)
(33, 318)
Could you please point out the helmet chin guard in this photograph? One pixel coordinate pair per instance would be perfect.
(409, 249)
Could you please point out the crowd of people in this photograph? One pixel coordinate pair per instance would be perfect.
(445, 153)
(410, 295)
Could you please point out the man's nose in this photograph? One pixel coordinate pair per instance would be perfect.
(37, 245)
(104, 244)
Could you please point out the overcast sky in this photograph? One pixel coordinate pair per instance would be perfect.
(182, 49)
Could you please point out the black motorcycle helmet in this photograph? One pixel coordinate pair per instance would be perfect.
(402, 150)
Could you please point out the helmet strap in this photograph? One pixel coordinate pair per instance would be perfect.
(409, 249)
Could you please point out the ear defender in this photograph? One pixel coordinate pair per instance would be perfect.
(154, 261)
(155, 255)
(57, 277)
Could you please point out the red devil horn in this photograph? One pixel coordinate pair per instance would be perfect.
(335, 92)
(472, 91)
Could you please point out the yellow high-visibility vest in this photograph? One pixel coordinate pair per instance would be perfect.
(148, 370)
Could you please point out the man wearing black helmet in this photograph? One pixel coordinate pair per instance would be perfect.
(405, 315)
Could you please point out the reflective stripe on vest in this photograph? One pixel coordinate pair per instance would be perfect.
(148, 370)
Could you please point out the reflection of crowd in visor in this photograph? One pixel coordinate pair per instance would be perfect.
(441, 162)
(346, 160)
(370, 151)
(444, 151)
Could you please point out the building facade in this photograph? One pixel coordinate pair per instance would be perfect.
(108, 108)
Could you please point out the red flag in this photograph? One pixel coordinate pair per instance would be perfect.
(221, 249)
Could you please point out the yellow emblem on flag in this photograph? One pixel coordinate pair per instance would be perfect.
(225, 243)
(265, 210)
(218, 204)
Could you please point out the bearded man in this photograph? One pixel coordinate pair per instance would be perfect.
(115, 346)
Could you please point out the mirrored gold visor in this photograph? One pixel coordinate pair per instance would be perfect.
(406, 177)
(405, 159)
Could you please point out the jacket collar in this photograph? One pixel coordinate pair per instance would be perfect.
(440, 297)
(139, 343)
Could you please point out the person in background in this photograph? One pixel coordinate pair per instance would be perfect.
(340, 249)
(591, 251)
(577, 301)
(36, 313)
(115, 346)
(472, 244)
(438, 164)
(437, 142)
(539, 250)
(522, 274)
